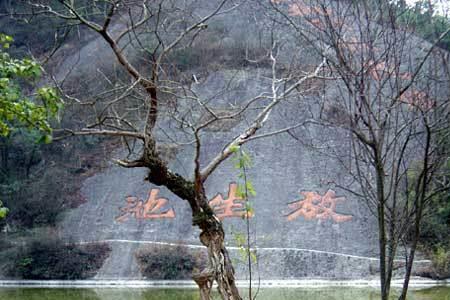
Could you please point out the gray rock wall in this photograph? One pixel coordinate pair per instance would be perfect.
(294, 206)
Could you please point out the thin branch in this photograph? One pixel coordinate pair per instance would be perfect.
(119, 133)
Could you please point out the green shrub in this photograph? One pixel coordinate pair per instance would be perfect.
(166, 262)
(54, 259)
(441, 261)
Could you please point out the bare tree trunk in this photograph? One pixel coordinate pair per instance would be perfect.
(409, 265)
(392, 247)
(204, 281)
(382, 246)
(381, 228)
(220, 268)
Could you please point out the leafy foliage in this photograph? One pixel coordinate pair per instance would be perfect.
(242, 162)
(441, 261)
(3, 211)
(244, 252)
(16, 110)
(422, 19)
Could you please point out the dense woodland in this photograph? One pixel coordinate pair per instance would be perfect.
(40, 178)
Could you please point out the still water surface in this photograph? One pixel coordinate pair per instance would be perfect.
(340, 293)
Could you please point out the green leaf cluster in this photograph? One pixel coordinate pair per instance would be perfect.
(241, 159)
(242, 162)
(246, 189)
(241, 241)
(3, 211)
(17, 110)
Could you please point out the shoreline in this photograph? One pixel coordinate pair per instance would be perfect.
(415, 283)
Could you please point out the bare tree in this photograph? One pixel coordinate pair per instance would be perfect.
(150, 88)
(391, 99)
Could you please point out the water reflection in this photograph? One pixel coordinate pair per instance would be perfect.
(147, 294)
(341, 293)
(47, 294)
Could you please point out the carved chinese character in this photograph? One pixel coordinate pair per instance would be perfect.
(315, 206)
(378, 70)
(406, 76)
(417, 99)
(233, 206)
(296, 8)
(151, 209)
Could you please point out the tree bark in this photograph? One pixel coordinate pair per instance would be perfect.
(381, 228)
(220, 267)
(391, 243)
(204, 280)
(382, 246)
(409, 265)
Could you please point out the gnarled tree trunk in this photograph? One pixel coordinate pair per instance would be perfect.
(219, 268)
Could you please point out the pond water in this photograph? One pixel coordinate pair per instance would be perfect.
(340, 293)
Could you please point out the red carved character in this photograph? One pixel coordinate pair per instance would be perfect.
(315, 206)
(151, 209)
(233, 206)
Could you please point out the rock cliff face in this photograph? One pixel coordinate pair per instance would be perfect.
(302, 226)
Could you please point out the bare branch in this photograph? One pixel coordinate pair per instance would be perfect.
(68, 133)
